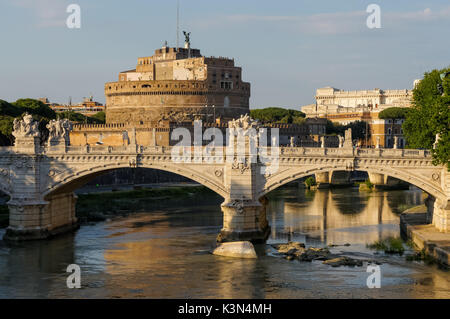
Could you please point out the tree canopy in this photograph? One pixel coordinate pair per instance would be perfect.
(278, 115)
(100, 116)
(358, 129)
(80, 118)
(35, 107)
(429, 115)
(40, 112)
(394, 113)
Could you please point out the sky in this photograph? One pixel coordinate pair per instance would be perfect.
(286, 48)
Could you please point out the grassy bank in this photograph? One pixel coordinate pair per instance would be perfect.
(389, 245)
(100, 206)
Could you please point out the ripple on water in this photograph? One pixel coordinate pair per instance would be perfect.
(166, 254)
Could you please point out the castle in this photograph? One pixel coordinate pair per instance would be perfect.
(172, 88)
(177, 84)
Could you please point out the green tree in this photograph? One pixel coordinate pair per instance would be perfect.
(100, 116)
(8, 109)
(358, 129)
(429, 115)
(276, 115)
(310, 181)
(6, 127)
(79, 118)
(35, 107)
(393, 113)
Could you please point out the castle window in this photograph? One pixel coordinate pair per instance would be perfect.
(227, 85)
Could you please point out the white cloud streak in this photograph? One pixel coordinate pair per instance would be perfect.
(333, 23)
(48, 13)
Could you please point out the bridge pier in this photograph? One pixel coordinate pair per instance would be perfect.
(41, 219)
(438, 213)
(244, 220)
(340, 178)
(323, 180)
(378, 180)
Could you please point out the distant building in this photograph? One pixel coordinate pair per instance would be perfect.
(344, 107)
(88, 107)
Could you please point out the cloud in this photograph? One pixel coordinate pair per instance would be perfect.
(423, 15)
(331, 23)
(49, 13)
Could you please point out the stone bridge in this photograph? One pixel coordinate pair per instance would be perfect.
(40, 180)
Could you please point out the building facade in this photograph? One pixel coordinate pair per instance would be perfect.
(344, 107)
(159, 133)
(88, 107)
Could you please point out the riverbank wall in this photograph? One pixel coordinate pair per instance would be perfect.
(414, 227)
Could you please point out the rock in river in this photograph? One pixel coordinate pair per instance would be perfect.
(343, 261)
(238, 249)
(315, 254)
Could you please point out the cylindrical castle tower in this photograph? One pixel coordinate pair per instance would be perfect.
(177, 84)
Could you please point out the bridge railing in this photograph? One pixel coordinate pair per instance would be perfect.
(380, 152)
(283, 151)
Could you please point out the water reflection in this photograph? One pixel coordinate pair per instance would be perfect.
(339, 215)
(164, 253)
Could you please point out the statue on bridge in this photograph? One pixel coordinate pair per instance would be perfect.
(348, 142)
(26, 127)
(59, 129)
(245, 122)
(436, 142)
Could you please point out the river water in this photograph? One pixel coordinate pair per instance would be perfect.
(164, 253)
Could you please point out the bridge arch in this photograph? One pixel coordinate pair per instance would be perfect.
(69, 182)
(294, 173)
